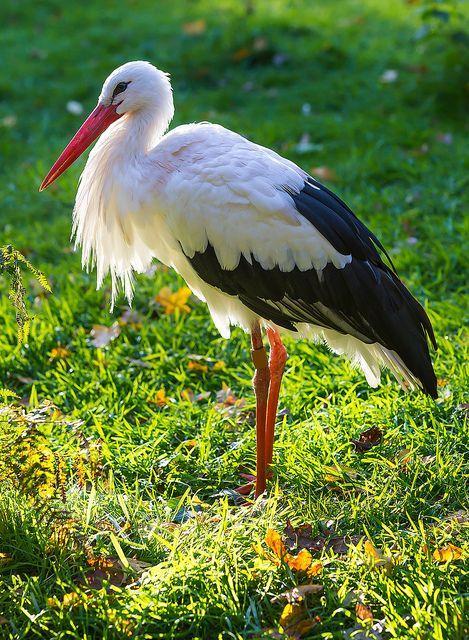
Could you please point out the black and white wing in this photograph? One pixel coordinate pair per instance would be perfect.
(257, 228)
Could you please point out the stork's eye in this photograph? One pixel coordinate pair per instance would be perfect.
(122, 86)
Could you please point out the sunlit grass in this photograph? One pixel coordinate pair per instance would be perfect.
(133, 467)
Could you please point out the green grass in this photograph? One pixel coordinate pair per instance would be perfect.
(384, 142)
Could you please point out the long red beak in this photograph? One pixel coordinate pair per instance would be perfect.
(97, 122)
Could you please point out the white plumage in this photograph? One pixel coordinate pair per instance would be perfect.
(145, 195)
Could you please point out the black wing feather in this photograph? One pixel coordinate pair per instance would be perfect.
(365, 299)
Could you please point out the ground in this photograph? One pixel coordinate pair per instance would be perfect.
(132, 463)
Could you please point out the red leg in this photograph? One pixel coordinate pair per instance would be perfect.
(261, 389)
(277, 360)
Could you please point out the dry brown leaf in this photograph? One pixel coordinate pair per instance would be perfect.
(363, 612)
(368, 439)
(194, 28)
(325, 173)
(3, 620)
(301, 537)
(5, 558)
(103, 335)
(340, 544)
(449, 553)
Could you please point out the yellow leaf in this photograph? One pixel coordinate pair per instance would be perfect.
(447, 554)
(160, 398)
(301, 562)
(377, 557)
(294, 620)
(174, 301)
(371, 551)
(71, 599)
(314, 569)
(59, 353)
(218, 365)
(274, 542)
(193, 365)
(195, 28)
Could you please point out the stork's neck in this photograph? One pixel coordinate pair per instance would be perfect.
(129, 139)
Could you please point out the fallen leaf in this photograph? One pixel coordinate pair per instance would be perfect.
(5, 558)
(103, 335)
(3, 620)
(377, 557)
(218, 365)
(9, 121)
(368, 439)
(403, 457)
(340, 544)
(59, 353)
(303, 561)
(241, 54)
(363, 612)
(300, 562)
(445, 138)
(190, 444)
(131, 318)
(194, 28)
(447, 554)
(229, 405)
(295, 622)
(325, 173)
(297, 594)
(72, 599)
(340, 474)
(389, 76)
(301, 537)
(190, 396)
(160, 398)
(173, 302)
(274, 541)
(196, 366)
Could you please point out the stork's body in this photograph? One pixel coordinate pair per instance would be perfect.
(253, 235)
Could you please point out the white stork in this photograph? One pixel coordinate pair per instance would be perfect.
(263, 243)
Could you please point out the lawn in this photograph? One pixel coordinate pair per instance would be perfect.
(118, 462)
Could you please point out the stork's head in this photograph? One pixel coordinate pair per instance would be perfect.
(132, 89)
